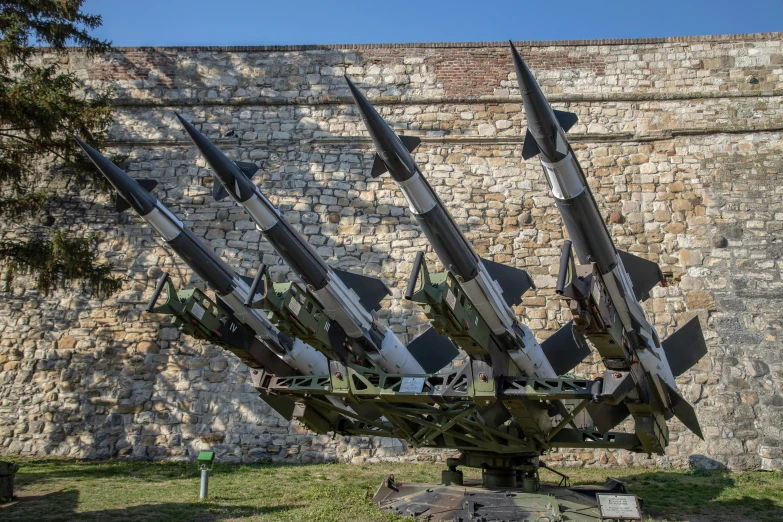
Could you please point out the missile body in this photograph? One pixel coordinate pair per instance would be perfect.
(232, 290)
(604, 277)
(581, 216)
(449, 243)
(339, 302)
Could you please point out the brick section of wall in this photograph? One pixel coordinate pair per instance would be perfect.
(681, 139)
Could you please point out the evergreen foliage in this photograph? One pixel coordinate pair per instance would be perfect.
(41, 107)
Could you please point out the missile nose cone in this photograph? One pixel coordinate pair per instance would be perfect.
(128, 188)
(201, 141)
(225, 170)
(352, 87)
(388, 145)
(104, 165)
(366, 110)
(541, 121)
(525, 79)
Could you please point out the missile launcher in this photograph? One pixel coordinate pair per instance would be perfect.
(480, 288)
(346, 299)
(319, 354)
(226, 321)
(604, 292)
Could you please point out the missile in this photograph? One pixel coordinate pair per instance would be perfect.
(346, 305)
(231, 289)
(483, 282)
(604, 292)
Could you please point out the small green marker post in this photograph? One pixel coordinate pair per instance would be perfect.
(205, 461)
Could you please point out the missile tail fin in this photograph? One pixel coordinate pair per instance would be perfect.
(606, 416)
(371, 290)
(378, 167)
(432, 351)
(565, 349)
(530, 147)
(513, 281)
(566, 119)
(218, 190)
(685, 347)
(248, 169)
(410, 142)
(644, 274)
(121, 204)
(147, 184)
(683, 411)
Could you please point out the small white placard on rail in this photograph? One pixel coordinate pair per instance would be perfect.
(294, 306)
(451, 299)
(412, 385)
(619, 507)
(197, 311)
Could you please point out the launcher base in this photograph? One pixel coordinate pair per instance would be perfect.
(475, 501)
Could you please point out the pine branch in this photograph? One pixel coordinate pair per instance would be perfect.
(59, 262)
(41, 107)
(24, 205)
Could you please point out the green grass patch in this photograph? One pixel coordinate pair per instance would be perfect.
(135, 491)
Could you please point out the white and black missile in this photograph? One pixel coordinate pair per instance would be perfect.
(625, 278)
(231, 289)
(346, 298)
(478, 278)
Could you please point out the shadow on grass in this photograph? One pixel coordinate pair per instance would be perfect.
(52, 470)
(63, 505)
(672, 495)
(716, 495)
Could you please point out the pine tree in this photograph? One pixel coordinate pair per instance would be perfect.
(41, 107)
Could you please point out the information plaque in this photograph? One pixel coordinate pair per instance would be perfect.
(412, 385)
(619, 507)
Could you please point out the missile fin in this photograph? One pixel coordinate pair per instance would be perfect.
(147, 184)
(644, 274)
(410, 142)
(378, 167)
(513, 281)
(247, 279)
(218, 190)
(432, 350)
(247, 168)
(566, 119)
(565, 349)
(605, 416)
(683, 411)
(284, 406)
(530, 147)
(371, 290)
(121, 204)
(685, 347)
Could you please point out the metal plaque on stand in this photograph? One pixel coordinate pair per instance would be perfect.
(619, 507)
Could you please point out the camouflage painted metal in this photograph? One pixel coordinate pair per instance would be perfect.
(195, 314)
(449, 310)
(473, 500)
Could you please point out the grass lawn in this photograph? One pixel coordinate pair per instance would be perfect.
(135, 491)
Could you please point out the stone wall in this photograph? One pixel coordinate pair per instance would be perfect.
(681, 139)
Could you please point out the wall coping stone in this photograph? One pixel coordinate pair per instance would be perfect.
(741, 37)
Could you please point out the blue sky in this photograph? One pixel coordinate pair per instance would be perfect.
(282, 22)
